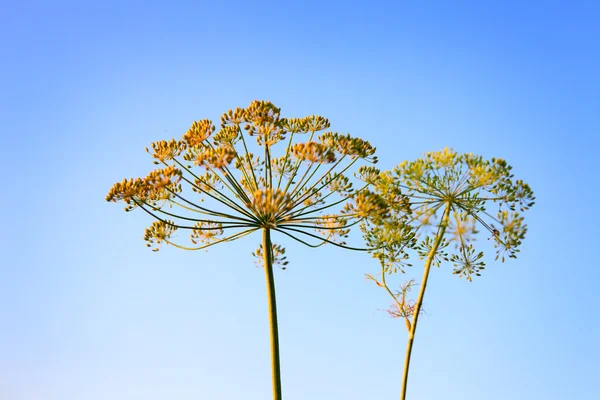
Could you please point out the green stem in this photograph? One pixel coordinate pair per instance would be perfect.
(411, 335)
(285, 162)
(293, 174)
(297, 188)
(268, 265)
(247, 154)
(386, 287)
(303, 197)
(268, 172)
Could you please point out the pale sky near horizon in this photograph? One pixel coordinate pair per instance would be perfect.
(87, 312)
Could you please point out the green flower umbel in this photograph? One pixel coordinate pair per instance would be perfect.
(453, 197)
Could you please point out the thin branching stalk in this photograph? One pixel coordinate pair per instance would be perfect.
(417, 310)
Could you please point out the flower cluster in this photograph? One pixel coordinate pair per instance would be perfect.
(468, 185)
(446, 199)
(239, 186)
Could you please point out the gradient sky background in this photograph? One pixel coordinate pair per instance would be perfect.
(87, 312)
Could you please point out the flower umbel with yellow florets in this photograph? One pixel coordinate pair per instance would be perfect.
(452, 197)
(236, 183)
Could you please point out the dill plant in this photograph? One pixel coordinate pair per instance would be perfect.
(256, 175)
(451, 198)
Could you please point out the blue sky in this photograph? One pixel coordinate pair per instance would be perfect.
(88, 312)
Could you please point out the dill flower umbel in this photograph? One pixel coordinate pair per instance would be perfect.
(256, 173)
(450, 198)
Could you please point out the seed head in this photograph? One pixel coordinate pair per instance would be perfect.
(198, 132)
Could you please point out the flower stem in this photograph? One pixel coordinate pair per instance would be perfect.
(268, 265)
(411, 334)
